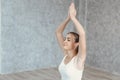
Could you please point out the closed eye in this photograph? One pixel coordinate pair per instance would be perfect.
(68, 40)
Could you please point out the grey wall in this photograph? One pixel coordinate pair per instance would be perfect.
(0, 36)
(28, 33)
(82, 13)
(103, 35)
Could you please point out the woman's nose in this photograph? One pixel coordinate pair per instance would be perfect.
(65, 40)
(64, 43)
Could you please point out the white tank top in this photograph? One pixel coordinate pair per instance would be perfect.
(69, 71)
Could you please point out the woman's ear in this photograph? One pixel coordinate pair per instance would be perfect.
(76, 44)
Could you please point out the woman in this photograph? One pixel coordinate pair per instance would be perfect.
(72, 65)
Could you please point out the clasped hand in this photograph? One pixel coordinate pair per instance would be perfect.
(72, 11)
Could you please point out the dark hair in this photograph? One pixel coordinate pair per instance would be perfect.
(76, 35)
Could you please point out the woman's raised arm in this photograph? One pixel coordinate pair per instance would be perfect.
(81, 56)
(59, 32)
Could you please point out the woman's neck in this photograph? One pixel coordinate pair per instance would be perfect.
(71, 54)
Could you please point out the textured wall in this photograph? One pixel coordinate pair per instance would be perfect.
(82, 13)
(28, 33)
(0, 36)
(103, 34)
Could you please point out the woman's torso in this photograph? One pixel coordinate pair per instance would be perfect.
(69, 71)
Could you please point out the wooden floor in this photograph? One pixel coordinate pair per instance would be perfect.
(53, 74)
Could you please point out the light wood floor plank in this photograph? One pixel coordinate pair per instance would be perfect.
(53, 74)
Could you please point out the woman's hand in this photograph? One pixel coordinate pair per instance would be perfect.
(68, 16)
(72, 11)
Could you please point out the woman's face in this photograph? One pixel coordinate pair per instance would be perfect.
(69, 42)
